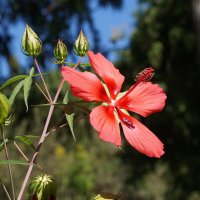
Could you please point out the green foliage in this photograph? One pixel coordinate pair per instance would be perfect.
(25, 140)
(16, 91)
(4, 109)
(13, 162)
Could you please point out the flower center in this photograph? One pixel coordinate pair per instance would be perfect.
(113, 102)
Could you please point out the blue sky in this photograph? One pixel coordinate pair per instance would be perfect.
(107, 20)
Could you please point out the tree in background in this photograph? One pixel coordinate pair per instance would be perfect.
(165, 37)
(51, 20)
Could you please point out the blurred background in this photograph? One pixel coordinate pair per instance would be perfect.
(133, 35)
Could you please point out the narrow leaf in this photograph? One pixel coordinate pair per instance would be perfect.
(31, 73)
(70, 120)
(27, 86)
(69, 64)
(104, 196)
(85, 65)
(25, 139)
(66, 99)
(13, 162)
(12, 80)
(15, 92)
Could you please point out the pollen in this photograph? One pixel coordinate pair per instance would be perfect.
(145, 75)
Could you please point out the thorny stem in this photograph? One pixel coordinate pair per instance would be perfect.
(4, 188)
(9, 166)
(42, 138)
(38, 68)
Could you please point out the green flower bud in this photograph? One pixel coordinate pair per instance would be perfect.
(4, 109)
(81, 45)
(31, 44)
(60, 52)
(42, 187)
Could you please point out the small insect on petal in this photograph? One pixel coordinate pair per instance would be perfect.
(128, 123)
(145, 75)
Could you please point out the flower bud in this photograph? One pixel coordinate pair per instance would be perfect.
(4, 109)
(81, 45)
(60, 52)
(31, 44)
(42, 187)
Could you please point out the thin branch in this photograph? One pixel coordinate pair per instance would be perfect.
(24, 156)
(38, 68)
(40, 89)
(4, 188)
(9, 166)
(63, 125)
(22, 153)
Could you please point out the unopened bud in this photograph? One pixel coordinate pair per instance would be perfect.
(42, 187)
(60, 52)
(31, 44)
(4, 109)
(81, 45)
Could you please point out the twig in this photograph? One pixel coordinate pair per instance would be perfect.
(4, 188)
(9, 166)
(38, 68)
(19, 149)
(40, 89)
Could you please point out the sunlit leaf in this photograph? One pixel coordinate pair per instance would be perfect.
(69, 64)
(12, 80)
(104, 196)
(70, 120)
(25, 139)
(13, 162)
(85, 65)
(15, 92)
(31, 73)
(27, 86)
(66, 99)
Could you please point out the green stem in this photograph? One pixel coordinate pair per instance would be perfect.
(9, 166)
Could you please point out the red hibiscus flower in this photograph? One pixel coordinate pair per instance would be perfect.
(143, 98)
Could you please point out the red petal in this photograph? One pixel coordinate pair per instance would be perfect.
(84, 85)
(106, 70)
(103, 120)
(140, 137)
(145, 99)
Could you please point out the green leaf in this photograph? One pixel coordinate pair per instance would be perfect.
(31, 73)
(69, 64)
(15, 92)
(12, 80)
(13, 162)
(85, 65)
(66, 99)
(70, 120)
(27, 86)
(104, 196)
(25, 139)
